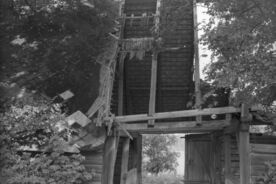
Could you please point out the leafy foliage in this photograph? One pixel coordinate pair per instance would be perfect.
(54, 45)
(32, 125)
(159, 157)
(241, 35)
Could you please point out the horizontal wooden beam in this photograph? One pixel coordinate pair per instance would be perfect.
(177, 114)
(138, 17)
(177, 127)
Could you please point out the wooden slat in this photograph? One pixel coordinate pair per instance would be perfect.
(95, 107)
(177, 114)
(263, 148)
(259, 159)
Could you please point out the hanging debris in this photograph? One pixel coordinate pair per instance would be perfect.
(137, 47)
(137, 44)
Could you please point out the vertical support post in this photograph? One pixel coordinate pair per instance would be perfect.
(125, 156)
(121, 84)
(139, 158)
(196, 63)
(212, 159)
(227, 158)
(217, 158)
(244, 157)
(153, 86)
(153, 83)
(136, 153)
(244, 146)
(109, 158)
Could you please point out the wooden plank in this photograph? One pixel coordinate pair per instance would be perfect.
(110, 152)
(244, 151)
(124, 165)
(177, 114)
(181, 127)
(153, 86)
(263, 148)
(95, 107)
(260, 158)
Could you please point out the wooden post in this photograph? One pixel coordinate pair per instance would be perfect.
(124, 164)
(136, 153)
(244, 146)
(244, 152)
(153, 83)
(109, 158)
(121, 84)
(153, 86)
(196, 63)
(227, 158)
(138, 157)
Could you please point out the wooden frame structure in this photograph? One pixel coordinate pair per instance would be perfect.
(145, 123)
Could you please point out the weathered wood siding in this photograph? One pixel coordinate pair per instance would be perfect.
(94, 164)
(208, 149)
(174, 68)
(261, 153)
(258, 156)
(135, 158)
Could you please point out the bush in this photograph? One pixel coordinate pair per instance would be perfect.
(33, 125)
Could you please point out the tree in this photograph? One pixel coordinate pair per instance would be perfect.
(52, 46)
(158, 154)
(241, 35)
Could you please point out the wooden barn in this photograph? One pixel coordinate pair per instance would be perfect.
(150, 85)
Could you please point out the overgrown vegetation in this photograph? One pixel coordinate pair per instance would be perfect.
(51, 46)
(32, 149)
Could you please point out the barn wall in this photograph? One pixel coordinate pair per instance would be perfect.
(94, 164)
(258, 156)
(208, 149)
(135, 157)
